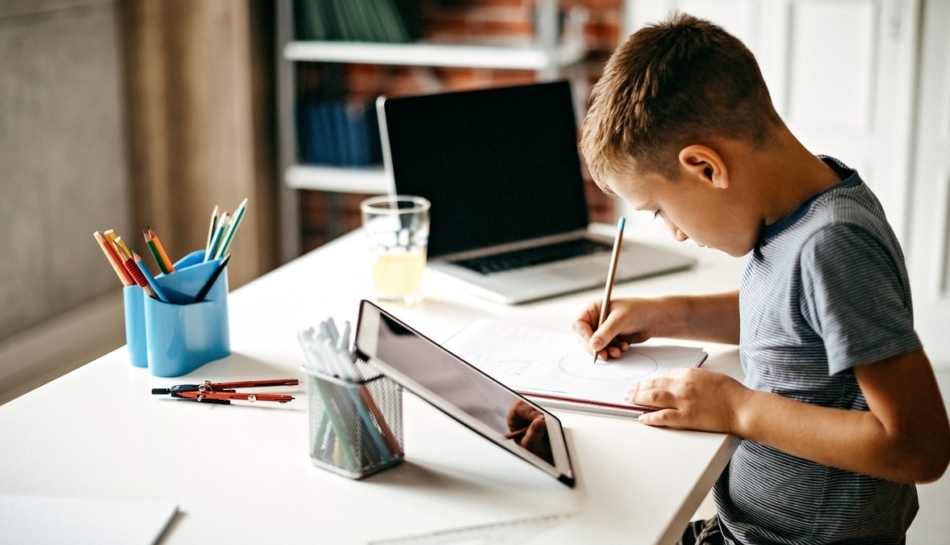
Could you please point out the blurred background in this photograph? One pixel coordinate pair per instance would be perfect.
(127, 114)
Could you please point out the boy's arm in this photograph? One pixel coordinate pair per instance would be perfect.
(904, 437)
(713, 318)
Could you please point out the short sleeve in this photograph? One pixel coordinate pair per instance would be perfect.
(856, 297)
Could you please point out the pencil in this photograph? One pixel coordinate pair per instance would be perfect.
(113, 258)
(158, 251)
(147, 274)
(611, 274)
(231, 229)
(517, 434)
(212, 226)
(211, 280)
(216, 239)
(112, 238)
(128, 261)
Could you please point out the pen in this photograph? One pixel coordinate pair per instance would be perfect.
(611, 274)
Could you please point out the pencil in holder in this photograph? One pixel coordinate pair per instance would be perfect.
(355, 426)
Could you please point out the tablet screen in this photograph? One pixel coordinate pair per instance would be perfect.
(462, 391)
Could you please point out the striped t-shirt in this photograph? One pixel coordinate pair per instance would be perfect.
(825, 290)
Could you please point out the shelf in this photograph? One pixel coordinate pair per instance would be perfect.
(369, 180)
(442, 55)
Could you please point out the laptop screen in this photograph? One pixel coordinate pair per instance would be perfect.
(499, 165)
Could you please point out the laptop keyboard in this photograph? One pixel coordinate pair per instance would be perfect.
(539, 255)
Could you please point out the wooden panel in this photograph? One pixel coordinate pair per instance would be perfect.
(833, 91)
(199, 125)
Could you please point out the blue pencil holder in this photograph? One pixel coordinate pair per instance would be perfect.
(134, 297)
(181, 335)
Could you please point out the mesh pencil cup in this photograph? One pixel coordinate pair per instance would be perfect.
(355, 427)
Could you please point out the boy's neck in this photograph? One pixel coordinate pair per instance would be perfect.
(789, 175)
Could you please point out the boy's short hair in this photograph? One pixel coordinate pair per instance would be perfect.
(671, 84)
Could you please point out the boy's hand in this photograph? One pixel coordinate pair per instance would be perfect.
(629, 321)
(690, 398)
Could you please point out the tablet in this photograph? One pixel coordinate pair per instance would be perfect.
(471, 397)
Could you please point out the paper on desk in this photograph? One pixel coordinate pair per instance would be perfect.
(77, 521)
(537, 361)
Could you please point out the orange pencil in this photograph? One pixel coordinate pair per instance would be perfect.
(113, 258)
(151, 238)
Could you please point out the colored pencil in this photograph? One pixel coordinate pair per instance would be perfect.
(149, 278)
(216, 239)
(231, 229)
(211, 280)
(213, 225)
(128, 261)
(158, 251)
(611, 273)
(113, 258)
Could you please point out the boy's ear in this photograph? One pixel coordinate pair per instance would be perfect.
(705, 163)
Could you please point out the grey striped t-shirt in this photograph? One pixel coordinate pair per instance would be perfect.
(825, 290)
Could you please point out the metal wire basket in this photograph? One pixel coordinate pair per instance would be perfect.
(355, 426)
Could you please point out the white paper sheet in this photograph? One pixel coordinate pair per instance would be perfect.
(536, 361)
(47, 520)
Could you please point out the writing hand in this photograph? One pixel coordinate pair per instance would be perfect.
(628, 321)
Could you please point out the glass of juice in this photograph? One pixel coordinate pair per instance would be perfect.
(397, 230)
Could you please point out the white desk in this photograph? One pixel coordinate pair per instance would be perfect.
(242, 474)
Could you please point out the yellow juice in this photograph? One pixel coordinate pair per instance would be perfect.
(397, 275)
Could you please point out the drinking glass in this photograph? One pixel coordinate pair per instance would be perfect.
(397, 231)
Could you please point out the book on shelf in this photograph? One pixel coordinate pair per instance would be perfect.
(388, 21)
(337, 132)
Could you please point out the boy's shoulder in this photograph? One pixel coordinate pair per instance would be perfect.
(836, 216)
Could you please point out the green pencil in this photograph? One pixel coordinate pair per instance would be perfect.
(231, 229)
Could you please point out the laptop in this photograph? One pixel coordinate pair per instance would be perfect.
(509, 218)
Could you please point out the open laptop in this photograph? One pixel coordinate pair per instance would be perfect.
(509, 216)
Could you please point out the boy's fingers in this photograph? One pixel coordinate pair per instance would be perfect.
(665, 417)
(651, 393)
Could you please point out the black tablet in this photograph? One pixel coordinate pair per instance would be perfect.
(461, 391)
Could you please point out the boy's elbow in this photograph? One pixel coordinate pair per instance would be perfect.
(930, 463)
(934, 468)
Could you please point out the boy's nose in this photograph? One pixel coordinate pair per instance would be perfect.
(680, 236)
(677, 234)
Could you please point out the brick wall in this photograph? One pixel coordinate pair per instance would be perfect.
(326, 215)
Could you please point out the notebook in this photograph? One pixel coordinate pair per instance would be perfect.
(554, 371)
(509, 216)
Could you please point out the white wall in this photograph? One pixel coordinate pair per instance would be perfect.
(844, 76)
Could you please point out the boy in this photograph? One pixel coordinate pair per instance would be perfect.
(839, 412)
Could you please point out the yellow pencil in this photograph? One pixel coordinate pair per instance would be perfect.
(113, 259)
